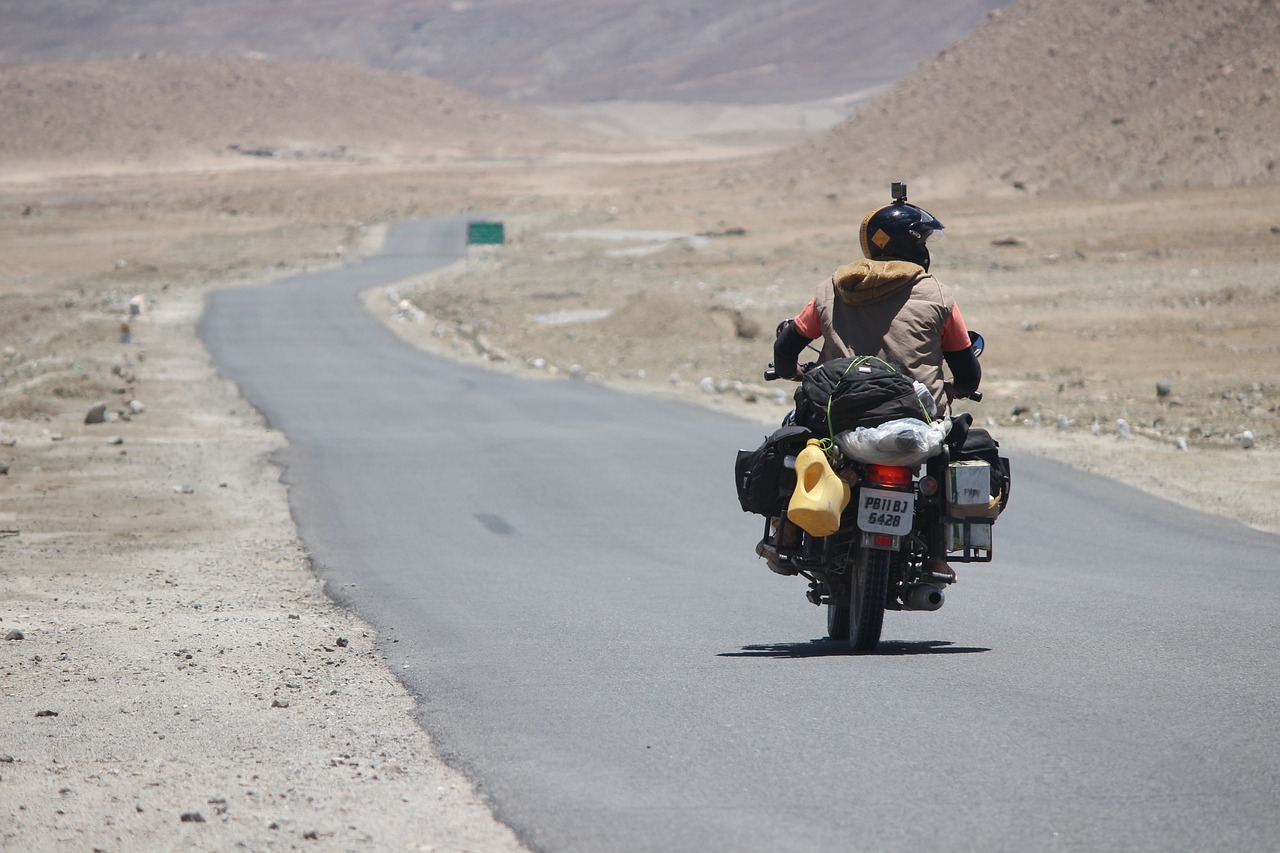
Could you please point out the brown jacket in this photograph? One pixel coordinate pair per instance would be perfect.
(892, 309)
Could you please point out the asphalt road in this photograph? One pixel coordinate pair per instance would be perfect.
(564, 577)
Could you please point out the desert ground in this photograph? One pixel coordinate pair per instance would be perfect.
(176, 678)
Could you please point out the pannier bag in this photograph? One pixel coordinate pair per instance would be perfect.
(976, 444)
(764, 481)
(861, 391)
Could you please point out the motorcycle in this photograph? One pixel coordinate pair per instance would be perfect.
(907, 509)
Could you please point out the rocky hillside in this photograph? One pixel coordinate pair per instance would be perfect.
(1068, 96)
(157, 109)
(551, 51)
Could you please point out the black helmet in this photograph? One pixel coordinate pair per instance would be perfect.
(899, 231)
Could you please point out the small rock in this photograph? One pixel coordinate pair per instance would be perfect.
(1245, 439)
(279, 703)
(15, 634)
(192, 817)
(6, 759)
(1181, 442)
(4, 468)
(184, 490)
(46, 713)
(117, 441)
(136, 407)
(342, 642)
(1064, 423)
(97, 414)
(1122, 428)
(1163, 388)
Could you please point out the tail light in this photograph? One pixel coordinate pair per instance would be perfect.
(890, 476)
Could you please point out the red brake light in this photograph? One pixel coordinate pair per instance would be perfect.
(890, 476)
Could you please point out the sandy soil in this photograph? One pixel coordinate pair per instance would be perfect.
(178, 658)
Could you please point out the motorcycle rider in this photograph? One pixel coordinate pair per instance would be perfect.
(888, 304)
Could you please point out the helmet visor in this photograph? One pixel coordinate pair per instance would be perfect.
(929, 227)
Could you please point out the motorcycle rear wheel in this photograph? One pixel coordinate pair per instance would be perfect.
(838, 620)
(868, 591)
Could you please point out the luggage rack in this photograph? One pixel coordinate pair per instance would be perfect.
(972, 549)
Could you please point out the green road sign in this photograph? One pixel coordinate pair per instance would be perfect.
(485, 234)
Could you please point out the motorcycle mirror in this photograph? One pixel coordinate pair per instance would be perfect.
(976, 343)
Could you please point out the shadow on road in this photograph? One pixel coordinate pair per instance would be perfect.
(829, 648)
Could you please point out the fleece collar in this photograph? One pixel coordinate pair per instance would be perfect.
(866, 280)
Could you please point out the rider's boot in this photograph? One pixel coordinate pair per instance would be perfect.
(776, 562)
(941, 571)
(771, 546)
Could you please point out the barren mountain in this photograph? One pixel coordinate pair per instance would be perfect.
(547, 51)
(151, 110)
(1067, 96)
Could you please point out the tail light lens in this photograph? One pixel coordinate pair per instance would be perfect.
(890, 476)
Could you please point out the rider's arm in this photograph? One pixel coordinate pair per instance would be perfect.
(966, 373)
(792, 340)
(957, 352)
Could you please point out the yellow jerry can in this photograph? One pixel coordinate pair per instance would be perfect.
(820, 496)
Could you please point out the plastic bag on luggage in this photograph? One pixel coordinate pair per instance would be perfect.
(905, 441)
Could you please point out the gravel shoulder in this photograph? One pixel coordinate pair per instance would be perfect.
(182, 681)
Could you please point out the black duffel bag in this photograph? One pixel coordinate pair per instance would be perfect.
(764, 481)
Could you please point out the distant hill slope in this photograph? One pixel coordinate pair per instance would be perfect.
(549, 51)
(165, 108)
(1071, 96)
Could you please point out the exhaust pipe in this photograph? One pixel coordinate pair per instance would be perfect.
(925, 596)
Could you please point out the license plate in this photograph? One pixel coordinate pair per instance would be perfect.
(883, 511)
